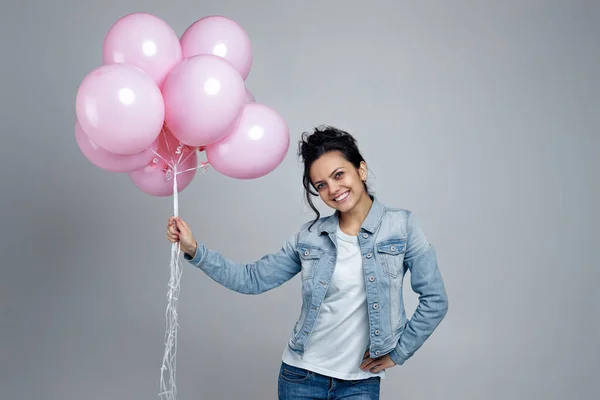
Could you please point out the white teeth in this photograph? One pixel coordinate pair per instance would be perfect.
(342, 197)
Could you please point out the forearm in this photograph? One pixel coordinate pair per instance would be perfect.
(426, 280)
(248, 278)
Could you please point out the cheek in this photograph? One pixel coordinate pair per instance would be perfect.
(327, 200)
(356, 183)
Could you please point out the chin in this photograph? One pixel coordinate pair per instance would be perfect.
(347, 206)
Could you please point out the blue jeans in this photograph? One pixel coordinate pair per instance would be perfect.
(300, 384)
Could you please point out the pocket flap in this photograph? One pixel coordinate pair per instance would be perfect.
(309, 253)
(392, 248)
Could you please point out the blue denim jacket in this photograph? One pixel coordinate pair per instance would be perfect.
(391, 243)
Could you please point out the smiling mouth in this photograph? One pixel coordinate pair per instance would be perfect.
(342, 197)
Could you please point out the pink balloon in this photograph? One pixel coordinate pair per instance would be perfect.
(255, 147)
(222, 37)
(145, 41)
(203, 96)
(156, 178)
(249, 97)
(110, 161)
(120, 108)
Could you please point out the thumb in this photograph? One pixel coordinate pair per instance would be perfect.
(181, 225)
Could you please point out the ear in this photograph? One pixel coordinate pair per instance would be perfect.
(362, 171)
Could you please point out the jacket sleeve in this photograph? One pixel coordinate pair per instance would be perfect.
(426, 280)
(268, 272)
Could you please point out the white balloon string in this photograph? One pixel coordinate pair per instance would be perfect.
(193, 150)
(162, 158)
(166, 139)
(181, 150)
(203, 165)
(168, 388)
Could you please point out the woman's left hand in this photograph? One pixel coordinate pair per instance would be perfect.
(375, 365)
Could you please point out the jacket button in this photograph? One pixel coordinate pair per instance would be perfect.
(375, 306)
(371, 279)
(377, 352)
(365, 235)
(306, 252)
(393, 248)
(377, 332)
(369, 255)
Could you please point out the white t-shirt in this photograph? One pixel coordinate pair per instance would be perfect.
(340, 336)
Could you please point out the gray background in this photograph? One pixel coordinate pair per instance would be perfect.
(481, 117)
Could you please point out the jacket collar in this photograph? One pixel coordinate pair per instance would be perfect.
(370, 224)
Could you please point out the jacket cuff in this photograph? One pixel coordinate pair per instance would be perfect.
(198, 256)
(397, 356)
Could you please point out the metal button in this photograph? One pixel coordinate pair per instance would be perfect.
(365, 235)
(377, 332)
(369, 255)
(375, 306)
(393, 248)
(377, 352)
(306, 252)
(371, 278)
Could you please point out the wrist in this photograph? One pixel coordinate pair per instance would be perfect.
(191, 251)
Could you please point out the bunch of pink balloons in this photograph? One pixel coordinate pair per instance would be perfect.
(157, 100)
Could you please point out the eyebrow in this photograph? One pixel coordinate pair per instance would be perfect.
(330, 175)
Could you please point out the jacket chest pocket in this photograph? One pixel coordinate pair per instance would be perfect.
(391, 256)
(310, 258)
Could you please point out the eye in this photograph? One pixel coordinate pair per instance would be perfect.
(339, 174)
(319, 187)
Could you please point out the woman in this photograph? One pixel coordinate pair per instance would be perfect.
(352, 324)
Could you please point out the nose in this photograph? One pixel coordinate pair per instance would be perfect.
(333, 189)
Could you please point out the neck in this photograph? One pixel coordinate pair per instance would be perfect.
(354, 218)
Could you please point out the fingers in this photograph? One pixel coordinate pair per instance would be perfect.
(172, 236)
(172, 231)
(366, 360)
(177, 227)
(367, 364)
(375, 365)
(376, 368)
(372, 365)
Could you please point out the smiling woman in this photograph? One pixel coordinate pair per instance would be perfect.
(352, 325)
(334, 167)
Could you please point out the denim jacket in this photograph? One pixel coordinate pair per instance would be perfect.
(391, 243)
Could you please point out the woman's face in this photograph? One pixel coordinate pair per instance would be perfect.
(339, 184)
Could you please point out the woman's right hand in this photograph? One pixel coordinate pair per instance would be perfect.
(179, 231)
